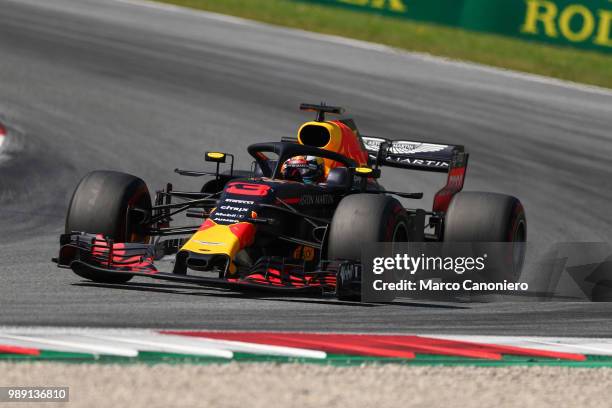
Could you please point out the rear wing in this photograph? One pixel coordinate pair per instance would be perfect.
(443, 158)
(414, 155)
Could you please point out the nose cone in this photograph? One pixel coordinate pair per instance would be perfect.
(215, 239)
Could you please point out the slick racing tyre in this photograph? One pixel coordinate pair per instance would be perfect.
(485, 217)
(363, 219)
(490, 217)
(102, 204)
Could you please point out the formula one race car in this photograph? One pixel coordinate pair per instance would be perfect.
(274, 228)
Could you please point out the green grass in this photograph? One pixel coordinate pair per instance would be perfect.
(565, 63)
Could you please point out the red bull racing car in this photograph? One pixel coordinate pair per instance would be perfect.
(296, 222)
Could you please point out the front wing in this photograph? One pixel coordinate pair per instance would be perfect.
(97, 258)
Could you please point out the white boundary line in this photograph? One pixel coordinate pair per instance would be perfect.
(578, 345)
(374, 47)
(167, 346)
(256, 348)
(76, 346)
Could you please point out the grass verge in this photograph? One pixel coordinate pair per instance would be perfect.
(559, 62)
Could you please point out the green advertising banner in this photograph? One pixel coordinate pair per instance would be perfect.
(579, 23)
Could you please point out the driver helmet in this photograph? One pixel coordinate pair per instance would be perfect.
(307, 169)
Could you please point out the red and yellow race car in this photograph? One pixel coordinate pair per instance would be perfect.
(296, 222)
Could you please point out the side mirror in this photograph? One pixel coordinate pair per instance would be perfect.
(367, 172)
(219, 157)
(215, 157)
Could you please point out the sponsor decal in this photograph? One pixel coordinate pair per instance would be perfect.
(224, 220)
(323, 199)
(236, 209)
(350, 274)
(576, 23)
(372, 143)
(230, 215)
(232, 210)
(247, 189)
(208, 243)
(304, 252)
(234, 201)
(399, 151)
(418, 162)
(455, 181)
(402, 146)
(414, 148)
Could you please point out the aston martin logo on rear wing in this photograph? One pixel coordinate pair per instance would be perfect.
(414, 155)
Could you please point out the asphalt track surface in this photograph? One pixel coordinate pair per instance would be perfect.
(90, 85)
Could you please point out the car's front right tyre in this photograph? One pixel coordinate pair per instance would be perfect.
(103, 203)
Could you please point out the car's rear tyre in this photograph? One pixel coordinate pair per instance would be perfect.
(103, 203)
(485, 217)
(489, 217)
(363, 219)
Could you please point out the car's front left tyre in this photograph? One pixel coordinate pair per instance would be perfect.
(361, 220)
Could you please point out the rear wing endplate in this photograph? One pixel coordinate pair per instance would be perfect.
(414, 155)
(443, 158)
